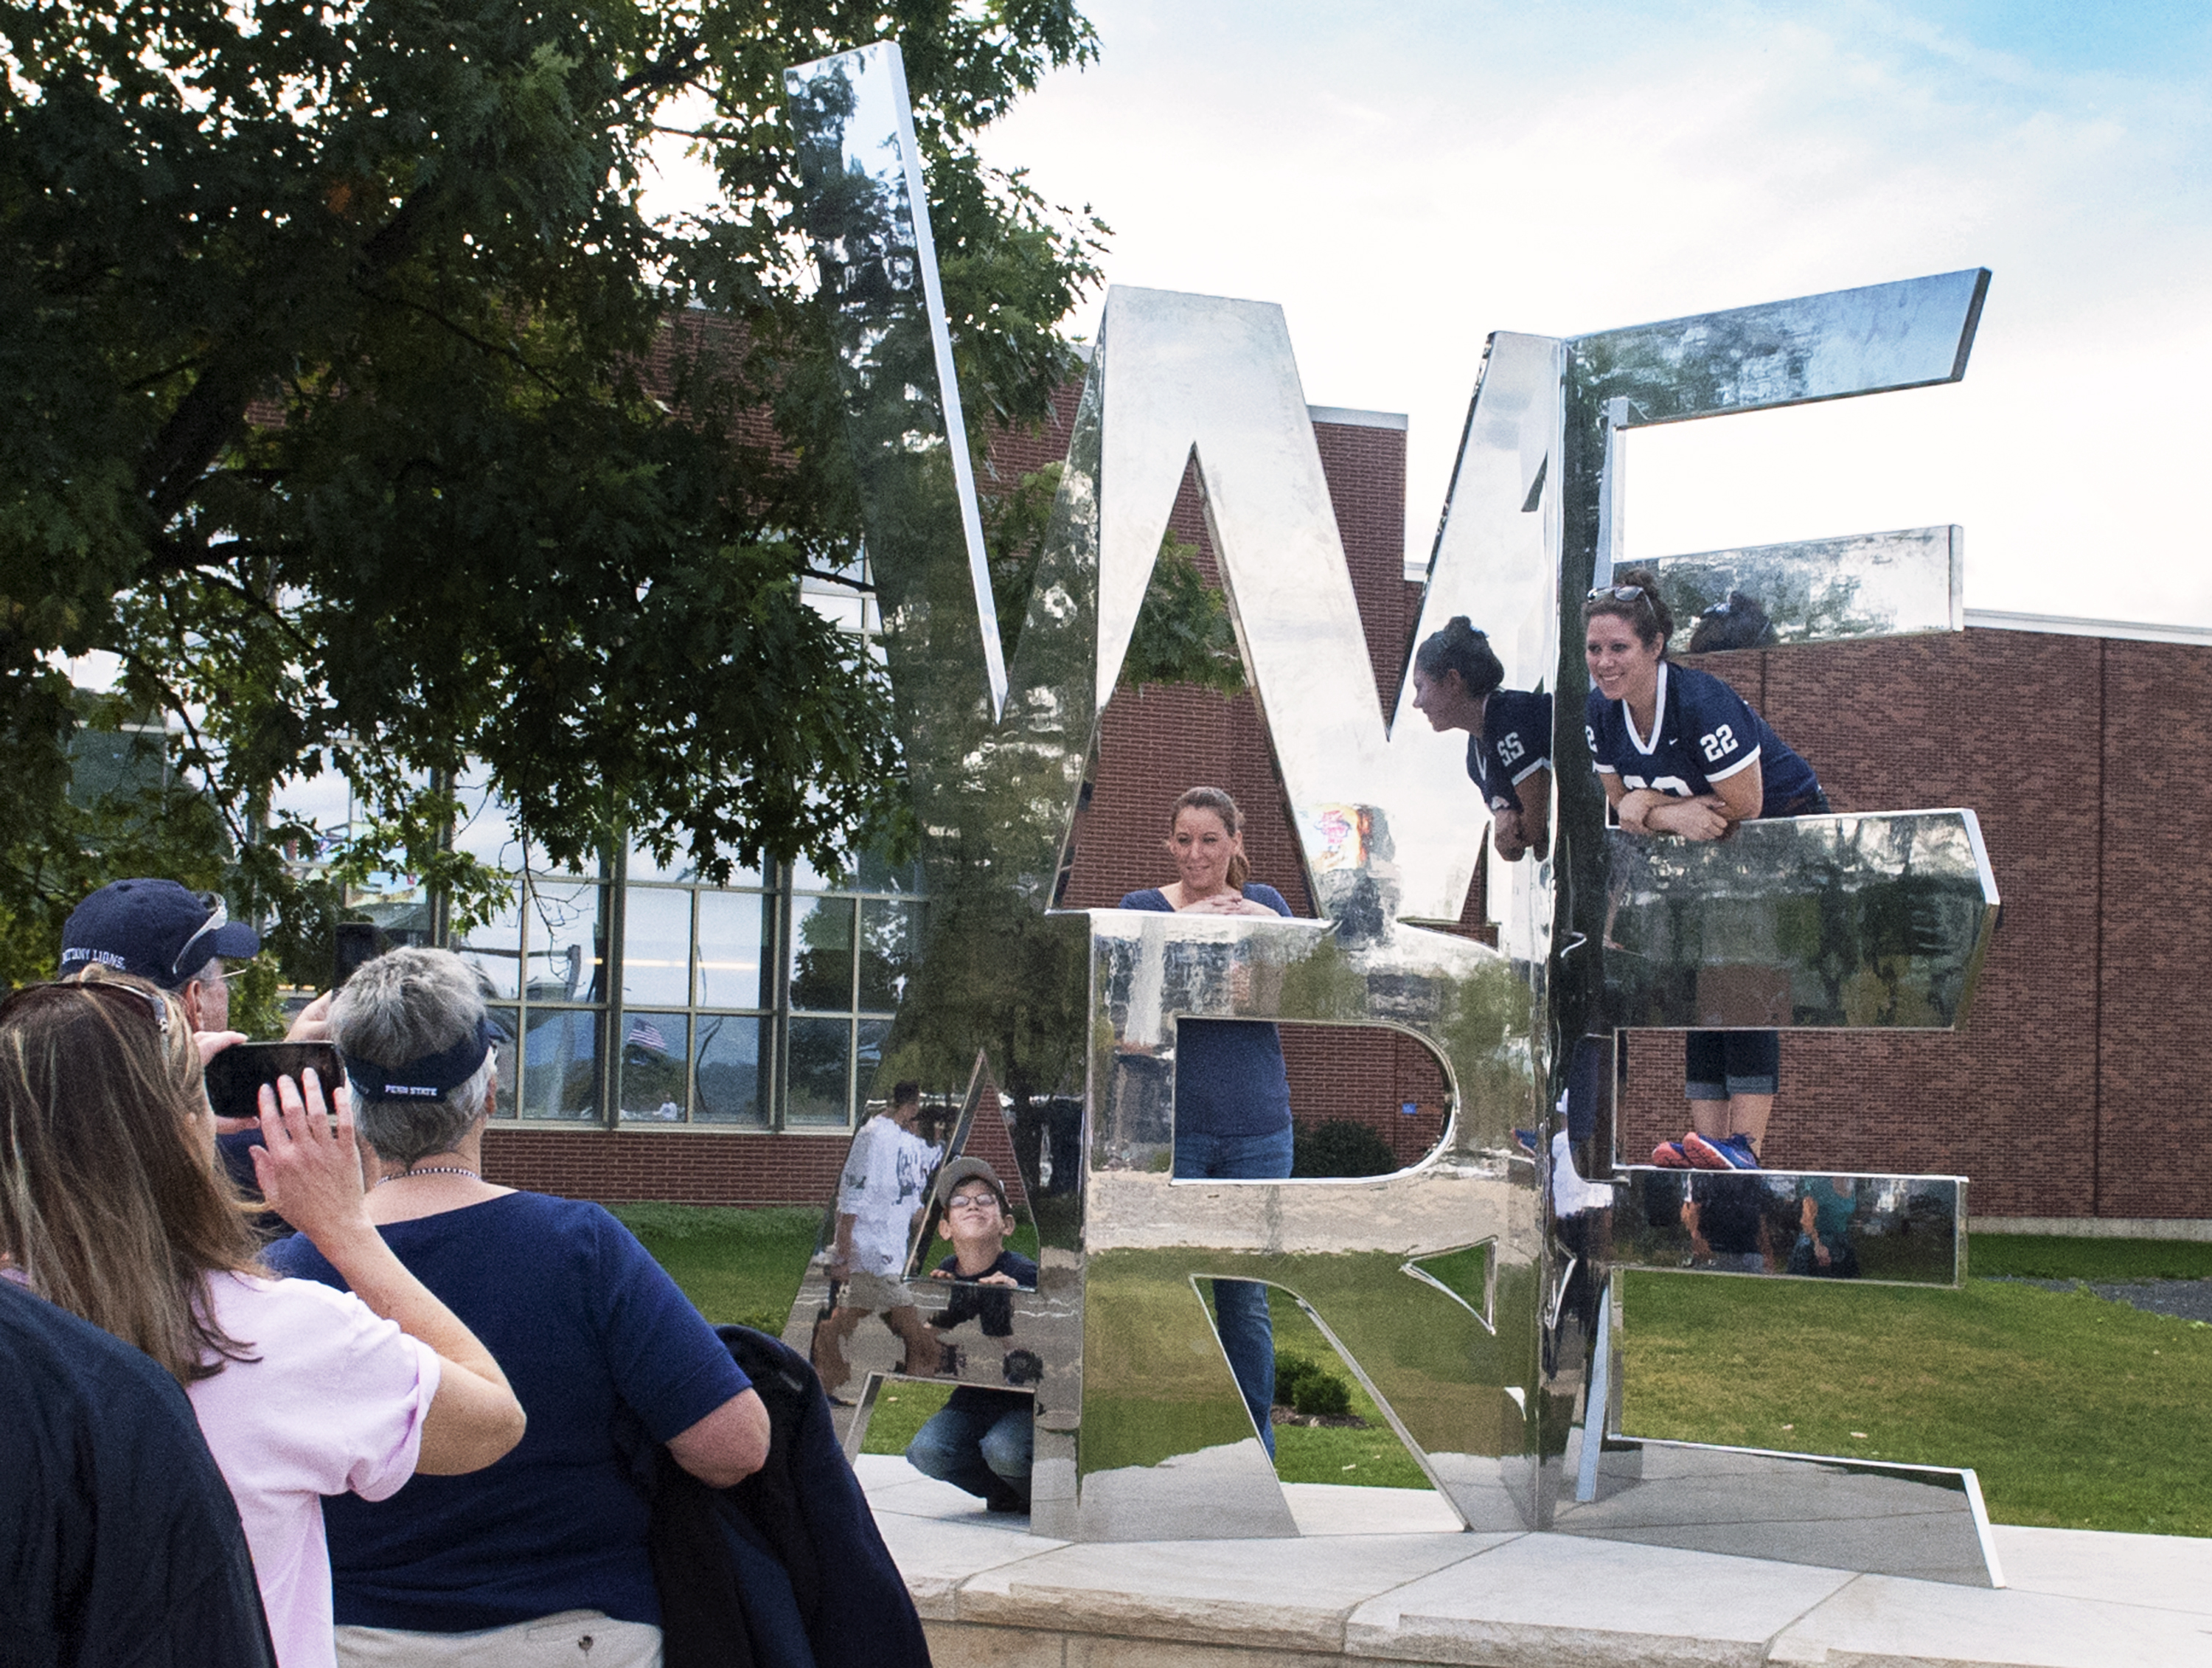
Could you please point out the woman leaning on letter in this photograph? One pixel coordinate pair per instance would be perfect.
(1680, 753)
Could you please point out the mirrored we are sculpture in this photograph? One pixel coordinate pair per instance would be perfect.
(1471, 1293)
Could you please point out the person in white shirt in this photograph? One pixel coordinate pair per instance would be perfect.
(880, 1197)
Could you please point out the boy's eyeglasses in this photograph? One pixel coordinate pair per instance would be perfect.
(973, 1202)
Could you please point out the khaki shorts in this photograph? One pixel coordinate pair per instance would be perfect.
(873, 1291)
(572, 1639)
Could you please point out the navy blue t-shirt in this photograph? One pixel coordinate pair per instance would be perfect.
(1230, 1075)
(119, 1540)
(585, 1325)
(1515, 742)
(1706, 732)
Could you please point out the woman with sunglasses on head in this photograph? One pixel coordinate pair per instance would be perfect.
(1457, 676)
(1681, 753)
(112, 1206)
(1232, 1090)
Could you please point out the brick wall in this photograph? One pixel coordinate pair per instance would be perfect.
(2073, 1090)
(688, 1167)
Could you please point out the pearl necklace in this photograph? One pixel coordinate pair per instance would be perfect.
(431, 1170)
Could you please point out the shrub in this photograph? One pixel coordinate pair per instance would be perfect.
(1339, 1146)
(1307, 1387)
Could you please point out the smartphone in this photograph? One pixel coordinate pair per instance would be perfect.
(358, 941)
(235, 1076)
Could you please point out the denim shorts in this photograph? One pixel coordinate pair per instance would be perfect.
(1716, 1064)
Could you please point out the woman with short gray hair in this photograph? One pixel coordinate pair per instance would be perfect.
(592, 1332)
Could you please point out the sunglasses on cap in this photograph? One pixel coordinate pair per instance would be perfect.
(218, 918)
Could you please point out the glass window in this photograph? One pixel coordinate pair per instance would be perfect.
(818, 1092)
(878, 875)
(656, 1053)
(644, 866)
(510, 1021)
(732, 949)
(564, 922)
(734, 1084)
(822, 952)
(804, 877)
(891, 949)
(561, 1065)
(656, 945)
(869, 1038)
(495, 950)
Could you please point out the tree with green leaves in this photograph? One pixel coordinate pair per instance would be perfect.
(351, 398)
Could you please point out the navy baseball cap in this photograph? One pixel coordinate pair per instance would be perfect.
(155, 929)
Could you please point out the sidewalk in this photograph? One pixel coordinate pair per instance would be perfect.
(1383, 1573)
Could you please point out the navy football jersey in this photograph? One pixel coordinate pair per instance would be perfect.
(1515, 740)
(1706, 734)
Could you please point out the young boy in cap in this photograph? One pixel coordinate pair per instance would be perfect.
(980, 1441)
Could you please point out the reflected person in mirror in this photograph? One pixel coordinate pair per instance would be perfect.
(1232, 1093)
(981, 1440)
(1680, 753)
(1457, 676)
(1827, 1205)
(881, 1193)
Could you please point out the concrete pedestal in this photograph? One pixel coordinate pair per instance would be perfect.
(1384, 1574)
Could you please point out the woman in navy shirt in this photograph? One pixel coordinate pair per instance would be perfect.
(1680, 752)
(1457, 676)
(549, 1544)
(1233, 1097)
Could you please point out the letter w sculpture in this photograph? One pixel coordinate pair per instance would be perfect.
(1447, 1288)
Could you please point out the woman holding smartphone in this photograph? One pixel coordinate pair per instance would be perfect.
(112, 1206)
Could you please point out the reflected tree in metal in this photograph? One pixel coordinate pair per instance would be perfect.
(1472, 1311)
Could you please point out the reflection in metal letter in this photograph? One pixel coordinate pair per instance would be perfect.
(1457, 1289)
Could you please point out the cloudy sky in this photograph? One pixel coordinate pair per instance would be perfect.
(1406, 177)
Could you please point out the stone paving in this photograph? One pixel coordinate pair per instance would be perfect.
(1383, 1575)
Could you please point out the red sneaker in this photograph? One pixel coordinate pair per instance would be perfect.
(1669, 1155)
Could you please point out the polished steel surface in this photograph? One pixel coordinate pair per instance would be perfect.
(1853, 922)
(1444, 1338)
(1816, 591)
(1873, 340)
(1784, 1224)
(1184, 372)
(867, 215)
(1455, 1289)
(1926, 1522)
(1492, 561)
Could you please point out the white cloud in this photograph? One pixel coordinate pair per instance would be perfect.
(1405, 185)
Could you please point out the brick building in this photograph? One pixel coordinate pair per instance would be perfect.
(2073, 1094)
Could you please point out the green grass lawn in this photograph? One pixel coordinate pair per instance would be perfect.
(2075, 1412)
(735, 1265)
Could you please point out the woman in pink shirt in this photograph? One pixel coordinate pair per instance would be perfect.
(113, 1205)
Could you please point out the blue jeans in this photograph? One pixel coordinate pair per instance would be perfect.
(983, 1452)
(1248, 1333)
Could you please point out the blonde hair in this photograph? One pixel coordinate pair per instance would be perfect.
(109, 1205)
(1217, 800)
